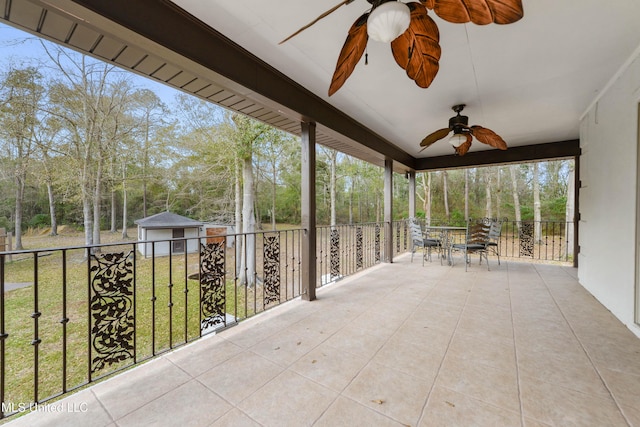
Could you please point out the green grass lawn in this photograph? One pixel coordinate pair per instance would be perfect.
(165, 317)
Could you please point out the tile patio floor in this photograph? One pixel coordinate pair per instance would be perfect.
(399, 344)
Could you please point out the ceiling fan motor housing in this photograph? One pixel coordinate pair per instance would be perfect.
(458, 123)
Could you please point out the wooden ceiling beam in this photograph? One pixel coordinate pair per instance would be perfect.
(521, 154)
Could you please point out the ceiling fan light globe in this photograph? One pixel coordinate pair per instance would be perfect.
(388, 21)
(457, 139)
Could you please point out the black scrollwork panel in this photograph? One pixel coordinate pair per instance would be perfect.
(397, 239)
(112, 311)
(335, 253)
(526, 239)
(271, 245)
(359, 248)
(377, 242)
(212, 285)
(405, 231)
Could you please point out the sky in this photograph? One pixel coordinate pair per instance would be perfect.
(20, 47)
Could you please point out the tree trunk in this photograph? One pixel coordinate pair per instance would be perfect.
(537, 217)
(446, 196)
(498, 194)
(466, 195)
(124, 202)
(516, 198)
(239, 241)
(52, 209)
(97, 199)
(488, 209)
(274, 189)
(18, 220)
(113, 211)
(570, 212)
(248, 264)
(332, 185)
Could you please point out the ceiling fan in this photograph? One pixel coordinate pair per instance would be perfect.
(414, 36)
(463, 134)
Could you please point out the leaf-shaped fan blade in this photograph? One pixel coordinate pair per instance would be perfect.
(435, 136)
(489, 137)
(464, 147)
(351, 53)
(324, 15)
(479, 12)
(429, 4)
(417, 50)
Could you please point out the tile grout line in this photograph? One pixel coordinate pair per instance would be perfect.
(113, 420)
(515, 349)
(371, 359)
(595, 368)
(444, 356)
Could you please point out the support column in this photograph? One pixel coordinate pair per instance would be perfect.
(412, 194)
(576, 206)
(308, 211)
(388, 210)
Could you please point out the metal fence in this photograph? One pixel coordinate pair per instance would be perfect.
(70, 316)
(551, 241)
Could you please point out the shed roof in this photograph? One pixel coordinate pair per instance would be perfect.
(167, 220)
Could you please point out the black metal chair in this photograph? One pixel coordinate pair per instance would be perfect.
(418, 240)
(476, 241)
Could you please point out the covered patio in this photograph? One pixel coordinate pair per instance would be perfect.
(397, 344)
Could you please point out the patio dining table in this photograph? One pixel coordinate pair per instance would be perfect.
(447, 236)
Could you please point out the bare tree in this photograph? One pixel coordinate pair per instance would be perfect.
(445, 192)
(22, 94)
(513, 169)
(537, 217)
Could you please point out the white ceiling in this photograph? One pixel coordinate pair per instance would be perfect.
(529, 81)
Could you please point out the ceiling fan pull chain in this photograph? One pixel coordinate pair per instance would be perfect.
(366, 58)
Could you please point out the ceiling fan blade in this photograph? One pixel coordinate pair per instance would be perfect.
(417, 50)
(434, 137)
(324, 15)
(351, 53)
(489, 137)
(462, 149)
(429, 4)
(481, 12)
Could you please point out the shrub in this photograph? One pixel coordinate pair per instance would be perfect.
(39, 221)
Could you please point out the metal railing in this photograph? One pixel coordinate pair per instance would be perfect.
(519, 240)
(71, 316)
(530, 240)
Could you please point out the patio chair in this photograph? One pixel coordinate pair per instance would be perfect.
(476, 241)
(419, 241)
(493, 244)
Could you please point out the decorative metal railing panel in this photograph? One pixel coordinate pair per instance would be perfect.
(344, 249)
(335, 253)
(359, 249)
(212, 286)
(112, 309)
(526, 239)
(271, 246)
(102, 308)
(377, 243)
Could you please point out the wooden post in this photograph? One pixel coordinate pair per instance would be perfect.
(308, 211)
(388, 210)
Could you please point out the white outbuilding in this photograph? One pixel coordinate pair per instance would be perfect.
(161, 228)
